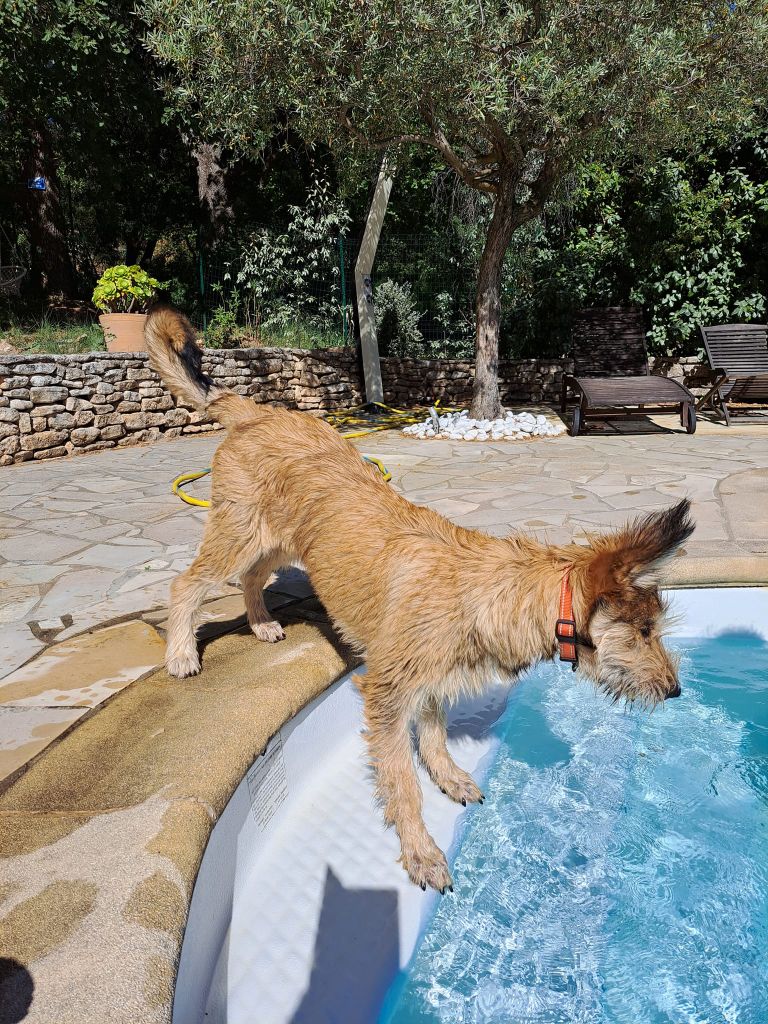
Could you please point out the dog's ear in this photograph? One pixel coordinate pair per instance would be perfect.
(620, 558)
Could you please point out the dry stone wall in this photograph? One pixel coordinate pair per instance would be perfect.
(56, 405)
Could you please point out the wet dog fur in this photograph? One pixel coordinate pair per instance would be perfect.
(437, 610)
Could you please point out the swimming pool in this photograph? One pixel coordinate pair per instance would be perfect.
(617, 873)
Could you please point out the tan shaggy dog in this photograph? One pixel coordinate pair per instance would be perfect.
(438, 610)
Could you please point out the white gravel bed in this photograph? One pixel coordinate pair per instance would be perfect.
(459, 426)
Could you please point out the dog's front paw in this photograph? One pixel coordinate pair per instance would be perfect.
(269, 632)
(462, 788)
(428, 866)
(181, 667)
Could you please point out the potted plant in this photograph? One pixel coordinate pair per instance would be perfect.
(123, 294)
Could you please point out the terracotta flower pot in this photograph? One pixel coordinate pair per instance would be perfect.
(123, 332)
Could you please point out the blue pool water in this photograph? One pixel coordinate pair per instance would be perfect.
(618, 872)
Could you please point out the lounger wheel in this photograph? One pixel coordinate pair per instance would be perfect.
(575, 422)
(689, 417)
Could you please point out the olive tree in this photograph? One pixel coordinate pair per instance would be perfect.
(512, 96)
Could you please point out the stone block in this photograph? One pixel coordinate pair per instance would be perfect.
(113, 432)
(177, 418)
(99, 446)
(49, 410)
(76, 404)
(47, 395)
(21, 404)
(84, 418)
(48, 368)
(9, 415)
(40, 380)
(157, 404)
(43, 439)
(136, 420)
(51, 453)
(107, 419)
(62, 421)
(123, 407)
(84, 435)
(25, 423)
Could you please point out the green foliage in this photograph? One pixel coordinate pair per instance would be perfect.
(298, 334)
(397, 320)
(685, 239)
(222, 330)
(294, 274)
(516, 82)
(123, 289)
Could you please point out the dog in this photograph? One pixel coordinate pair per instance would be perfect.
(437, 610)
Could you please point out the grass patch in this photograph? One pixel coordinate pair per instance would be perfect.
(48, 336)
(296, 335)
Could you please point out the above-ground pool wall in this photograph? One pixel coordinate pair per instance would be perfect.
(55, 405)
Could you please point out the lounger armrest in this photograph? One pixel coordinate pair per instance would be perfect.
(701, 374)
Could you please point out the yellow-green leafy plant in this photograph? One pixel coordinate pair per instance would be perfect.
(124, 289)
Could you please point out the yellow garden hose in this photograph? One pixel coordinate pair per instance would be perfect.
(178, 484)
(368, 419)
(178, 488)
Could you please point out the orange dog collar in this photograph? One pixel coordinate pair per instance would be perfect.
(565, 628)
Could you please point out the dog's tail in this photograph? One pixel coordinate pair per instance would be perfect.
(175, 354)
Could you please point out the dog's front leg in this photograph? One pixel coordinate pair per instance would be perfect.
(443, 770)
(389, 740)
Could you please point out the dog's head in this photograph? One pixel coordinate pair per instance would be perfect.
(623, 615)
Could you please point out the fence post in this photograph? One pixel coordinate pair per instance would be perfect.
(343, 290)
(202, 287)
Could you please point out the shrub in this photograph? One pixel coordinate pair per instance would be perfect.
(222, 330)
(397, 320)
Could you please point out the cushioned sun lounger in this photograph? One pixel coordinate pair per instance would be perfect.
(611, 374)
(738, 357)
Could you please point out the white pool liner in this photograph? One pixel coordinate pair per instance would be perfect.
(301, 912)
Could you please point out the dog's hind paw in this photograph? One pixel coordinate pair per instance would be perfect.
(269, 632)
(182, 667)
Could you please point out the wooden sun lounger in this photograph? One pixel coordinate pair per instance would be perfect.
(611, 374)
(738, 357)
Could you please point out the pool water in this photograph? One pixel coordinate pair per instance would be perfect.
(618, 872)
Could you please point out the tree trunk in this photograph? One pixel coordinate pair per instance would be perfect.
(52, 269)
(212, 191)
(486, 401)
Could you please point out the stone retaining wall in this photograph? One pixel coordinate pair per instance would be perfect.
(54, 405)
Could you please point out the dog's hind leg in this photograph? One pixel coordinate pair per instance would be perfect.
(220, 557)
(253, 579)
(389, 715)
(443, 770)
